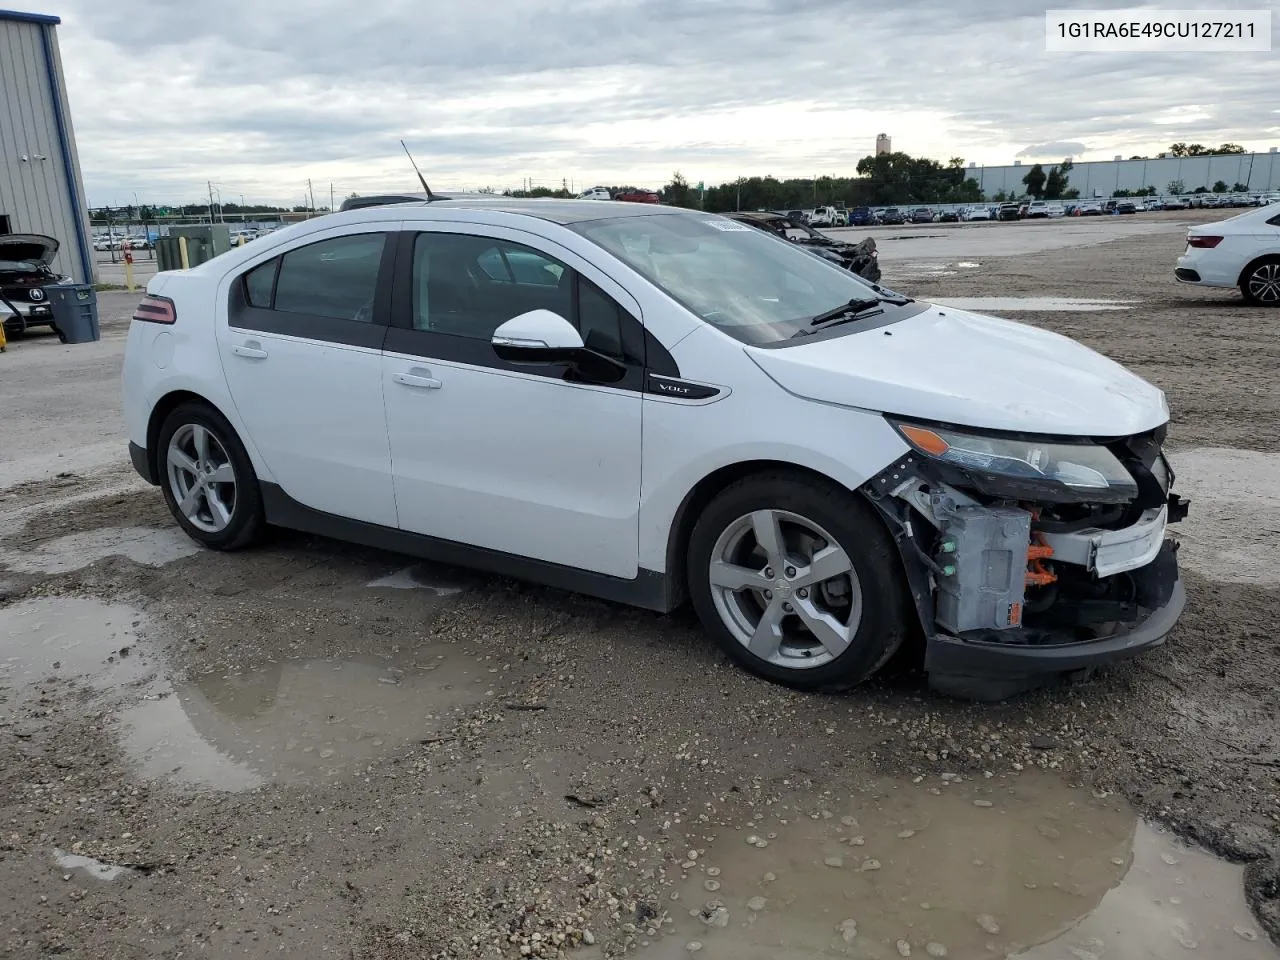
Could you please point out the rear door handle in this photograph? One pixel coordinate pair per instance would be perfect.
(245, 350)
(424, 383)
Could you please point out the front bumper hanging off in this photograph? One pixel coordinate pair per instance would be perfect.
(993, 663)
(1028, 653)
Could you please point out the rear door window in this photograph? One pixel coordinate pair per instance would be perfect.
(331, 290)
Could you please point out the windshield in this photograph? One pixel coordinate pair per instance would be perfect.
(25, 266)
(754, 286)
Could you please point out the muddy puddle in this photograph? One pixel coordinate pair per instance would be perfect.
(441, 580)
(1017, 304)
(292, 720)
(143, 545)
(1018, 867)
(67, 638)
(295, 720)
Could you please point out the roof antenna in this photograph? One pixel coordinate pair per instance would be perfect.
(421, 178)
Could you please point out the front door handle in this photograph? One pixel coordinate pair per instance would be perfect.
(424, 383)
(252, 352)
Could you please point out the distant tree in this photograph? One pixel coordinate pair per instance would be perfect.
(353, 196)
(1178, 150)
(1035, 181)
(1239, 187)
(1201, 189)
(1137, 158)
(1198, 150)
(1122, 193)
(1000, 196)
(1230, 148)
(678, 193)
(1220, 186)
(1057, 180)
(1072, 194)
(1177, 186)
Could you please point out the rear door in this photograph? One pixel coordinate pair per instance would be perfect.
(302, 352)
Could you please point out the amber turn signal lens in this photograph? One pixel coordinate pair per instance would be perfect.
(925, 440)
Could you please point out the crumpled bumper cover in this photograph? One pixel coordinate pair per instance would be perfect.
(1027, 652)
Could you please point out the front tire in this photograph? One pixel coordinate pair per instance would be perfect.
(1260, 282)
(798, 581)
(207, 478)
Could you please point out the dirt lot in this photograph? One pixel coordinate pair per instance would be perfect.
(315, 750)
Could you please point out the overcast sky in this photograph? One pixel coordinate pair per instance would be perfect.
(259, 95)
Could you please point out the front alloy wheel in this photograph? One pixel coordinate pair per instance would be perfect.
(1262, 285)
(785, 589)
(798, 580)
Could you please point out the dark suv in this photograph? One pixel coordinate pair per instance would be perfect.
(862, 217)
(922, 215)
(893, 215)
(24, 273)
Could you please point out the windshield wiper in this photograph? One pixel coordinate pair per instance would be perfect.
(846, 311)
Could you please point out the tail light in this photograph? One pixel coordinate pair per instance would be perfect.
(1207, 243)
(155, 309)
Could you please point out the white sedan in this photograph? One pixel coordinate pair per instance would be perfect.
(649, 404)
(977, 213)
(1243, 251)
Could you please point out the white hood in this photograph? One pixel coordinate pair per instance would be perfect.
(967, 369)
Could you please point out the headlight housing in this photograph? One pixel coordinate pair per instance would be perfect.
(1020, 467)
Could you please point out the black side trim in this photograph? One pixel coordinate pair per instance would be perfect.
(351, 333)
(142, 463)
(647, 590)
(679, 389)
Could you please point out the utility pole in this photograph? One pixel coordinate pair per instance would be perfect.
(312, 194)
(209, 183)
(331, 206)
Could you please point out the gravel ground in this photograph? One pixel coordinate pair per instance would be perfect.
(559, 757)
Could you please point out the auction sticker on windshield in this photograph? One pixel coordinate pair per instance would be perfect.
(727, 225)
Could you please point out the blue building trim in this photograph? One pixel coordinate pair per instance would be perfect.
(64, 144)
(30, 17)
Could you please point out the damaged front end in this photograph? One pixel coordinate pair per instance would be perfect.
(1031, 557)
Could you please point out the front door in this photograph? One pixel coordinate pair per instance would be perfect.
(302, 354)
(526, 460)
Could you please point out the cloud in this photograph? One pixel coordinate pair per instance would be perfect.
(1056, 149)
(258, 97)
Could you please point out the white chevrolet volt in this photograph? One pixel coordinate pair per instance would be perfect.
(649, 405)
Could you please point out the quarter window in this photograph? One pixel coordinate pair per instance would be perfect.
(333, 278)
(259, 284)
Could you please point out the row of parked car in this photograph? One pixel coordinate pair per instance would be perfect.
(117, 242)
(831, 216)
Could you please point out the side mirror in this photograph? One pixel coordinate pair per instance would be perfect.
(543, 336)
(539, 336)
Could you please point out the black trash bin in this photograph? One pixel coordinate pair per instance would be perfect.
(75, 311)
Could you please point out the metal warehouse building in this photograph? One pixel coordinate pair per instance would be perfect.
(1100, 178)
(40, 186)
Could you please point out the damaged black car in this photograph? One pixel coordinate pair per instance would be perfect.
(25, 271)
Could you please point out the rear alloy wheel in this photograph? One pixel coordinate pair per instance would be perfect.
(798, 580)
(1261, 283)
(208, 481)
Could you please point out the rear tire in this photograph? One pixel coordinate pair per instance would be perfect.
(798, 581)
(208, 481)
(1260, 282)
